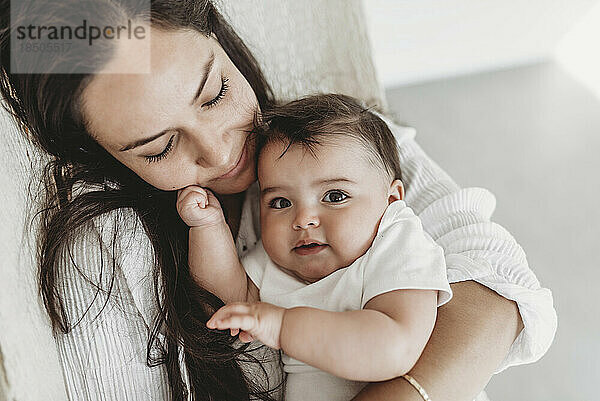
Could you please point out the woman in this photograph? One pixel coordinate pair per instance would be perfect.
(124, 143)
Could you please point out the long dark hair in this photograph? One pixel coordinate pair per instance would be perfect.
(45, 107)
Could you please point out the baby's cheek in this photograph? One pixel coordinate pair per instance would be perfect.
(274, 237)
(355, 235)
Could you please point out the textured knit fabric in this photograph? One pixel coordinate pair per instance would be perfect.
(476, 248)
(105, 358)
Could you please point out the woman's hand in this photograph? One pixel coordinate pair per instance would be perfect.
(257, 320)
(199, 207)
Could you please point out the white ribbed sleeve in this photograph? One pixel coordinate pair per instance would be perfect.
(104, 356)
(475, 247)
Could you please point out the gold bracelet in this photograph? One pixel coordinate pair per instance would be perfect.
(417, 387)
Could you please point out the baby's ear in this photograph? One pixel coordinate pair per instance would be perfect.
(396, 191)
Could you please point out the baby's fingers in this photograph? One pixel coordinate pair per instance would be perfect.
(192, 196)
(235, 307)
(210, 197)
(236, 315)
(235, 321)
(191, 188)
(245, 337)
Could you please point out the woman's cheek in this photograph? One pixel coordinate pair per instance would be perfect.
(162, 180)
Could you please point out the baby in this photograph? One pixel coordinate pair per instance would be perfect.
(344, 281)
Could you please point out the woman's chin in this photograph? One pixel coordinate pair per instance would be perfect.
(235, 185)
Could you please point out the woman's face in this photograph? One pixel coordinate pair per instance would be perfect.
(185, 123)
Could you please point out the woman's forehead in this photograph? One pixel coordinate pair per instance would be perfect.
(118, 105)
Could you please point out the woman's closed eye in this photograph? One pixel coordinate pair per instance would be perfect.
(335, 196)
(211, 103)
(163, 154)
(214, 101)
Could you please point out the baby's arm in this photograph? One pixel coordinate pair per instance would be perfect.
(380, 342)
(213, 258)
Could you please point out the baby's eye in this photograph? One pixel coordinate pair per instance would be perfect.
(334, 196)
(280, 203)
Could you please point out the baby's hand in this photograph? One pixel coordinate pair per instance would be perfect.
(258, 320)
(199, 207)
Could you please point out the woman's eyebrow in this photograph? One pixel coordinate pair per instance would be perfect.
(207, 69)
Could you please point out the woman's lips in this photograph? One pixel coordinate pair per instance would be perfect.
(240, 165)
(310, 249)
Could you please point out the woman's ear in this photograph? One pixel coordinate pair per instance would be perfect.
(396, 191)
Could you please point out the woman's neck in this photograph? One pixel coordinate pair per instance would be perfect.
(232, 208)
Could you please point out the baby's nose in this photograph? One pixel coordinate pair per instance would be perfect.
(305, 220)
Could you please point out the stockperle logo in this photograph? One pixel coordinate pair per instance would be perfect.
(78, 36)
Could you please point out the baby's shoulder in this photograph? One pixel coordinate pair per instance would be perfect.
(397, 211)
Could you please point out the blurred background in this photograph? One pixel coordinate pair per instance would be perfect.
(506, 95)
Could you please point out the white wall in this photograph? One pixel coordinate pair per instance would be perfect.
(416, 41)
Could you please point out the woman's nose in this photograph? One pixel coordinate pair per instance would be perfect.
(212, 149)
(214, 154)
(306, 219)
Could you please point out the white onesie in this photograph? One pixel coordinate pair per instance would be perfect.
(402, 256)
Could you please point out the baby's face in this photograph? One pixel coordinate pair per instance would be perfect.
(320, 213)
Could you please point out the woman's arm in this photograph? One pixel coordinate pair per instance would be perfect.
(479, 253)
(472, 335)
(104, 355)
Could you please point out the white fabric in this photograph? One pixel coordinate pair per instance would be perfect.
(25, 336)
(476, 248)
(402, 256)
(308, 45)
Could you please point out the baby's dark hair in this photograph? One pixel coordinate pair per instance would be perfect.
(307, 121)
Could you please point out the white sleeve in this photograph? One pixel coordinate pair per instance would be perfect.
(255, 263)
(403, 256)
(104, 355)
(475, 247)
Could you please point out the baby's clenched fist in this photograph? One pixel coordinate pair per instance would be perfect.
(199, 207)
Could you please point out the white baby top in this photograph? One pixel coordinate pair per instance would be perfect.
(402, 256)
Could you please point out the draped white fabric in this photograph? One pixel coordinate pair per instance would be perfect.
(306, 46)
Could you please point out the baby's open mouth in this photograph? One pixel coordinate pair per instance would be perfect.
(312, 245)
(310, 248)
